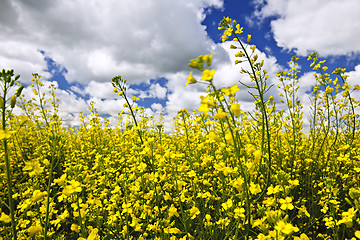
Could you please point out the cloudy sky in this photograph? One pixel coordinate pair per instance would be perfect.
(80, 45)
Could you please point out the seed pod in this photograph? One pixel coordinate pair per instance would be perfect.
(13, 101)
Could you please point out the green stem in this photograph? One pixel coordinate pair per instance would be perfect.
(7, 162)
(263, 110)
(133, 116)
(48, 194)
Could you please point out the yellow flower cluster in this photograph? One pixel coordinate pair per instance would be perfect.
(222, 173)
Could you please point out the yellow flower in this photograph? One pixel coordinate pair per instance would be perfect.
(269, 201)
(254, 188)
(220, 115)
(5, 218)
(192, 174)
(213, 136)
(207, 59)
(240, 54)
(273, 190)
(126, 208)
(190, 79)
(33, 167)
(234, 88)
(286, 203)
(204, 108)
(238, 184)
(235, 108)
(194, 211)
(228, 204)
(37, 195)
(93, 234)
(75, 228)
(172, 230)
(206, 102)
(239, 213)
(224, 37)
(194, 64)
(303, 236)
(61, 181)
(250, 148)
(257, 156)
(33, 230)
(173, 211)
(208, 75)
(303, 211)
(286, 228)
(347, 217)
(74, 186)
(239, 29)
(294, 182)
(5, 134)
(249, 38)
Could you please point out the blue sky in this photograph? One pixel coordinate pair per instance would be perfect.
(80, 45)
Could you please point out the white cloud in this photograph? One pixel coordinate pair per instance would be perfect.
(108, 106)
(154, 90)
(157, 91)
(157, 107)
(100, 90)
(23, 58)
(331, 27)
(95, 40)
(354, 76)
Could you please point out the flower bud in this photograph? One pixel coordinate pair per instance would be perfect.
(17, 77)
(13, 101)
(19, 90)
(249, 38)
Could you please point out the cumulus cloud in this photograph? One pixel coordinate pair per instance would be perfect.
(100, 90)
(354, 76)
(143, 40)
(95, 40)
(306, 26)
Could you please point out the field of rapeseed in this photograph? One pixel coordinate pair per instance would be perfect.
(223, 173)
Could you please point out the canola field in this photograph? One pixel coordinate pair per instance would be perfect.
(223, 173)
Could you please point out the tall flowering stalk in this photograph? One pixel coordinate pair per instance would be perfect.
(119, 85)
(7, 82)
(227, 109)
